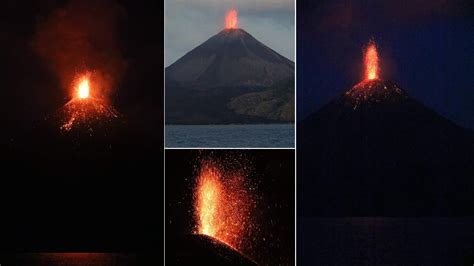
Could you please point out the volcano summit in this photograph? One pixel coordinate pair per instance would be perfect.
(376, 151)
(230, 78)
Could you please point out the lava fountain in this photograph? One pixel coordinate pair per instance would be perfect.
(372, 89)
(88, 108)
(371, 59)
(223, 205)
(83, 88)
(231, 19)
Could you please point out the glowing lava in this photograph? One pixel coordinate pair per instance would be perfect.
(371, 59)
(83, 88)
(223, 205)
(231, 20)
(209, 200)
(84, 111)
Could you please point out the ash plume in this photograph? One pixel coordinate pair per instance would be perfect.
(83, 36)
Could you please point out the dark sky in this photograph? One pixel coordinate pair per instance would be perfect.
(80, 192)
(271, 173)
(427, 47)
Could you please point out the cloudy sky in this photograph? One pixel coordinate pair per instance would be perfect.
(188, 23)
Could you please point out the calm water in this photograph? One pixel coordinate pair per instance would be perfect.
(77, 259)
(233, 136)
(386, 241)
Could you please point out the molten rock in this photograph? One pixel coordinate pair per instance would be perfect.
(86, 114)
(374, 91)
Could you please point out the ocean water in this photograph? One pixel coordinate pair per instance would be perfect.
(386, 241)
(78, 259)
(230, 136)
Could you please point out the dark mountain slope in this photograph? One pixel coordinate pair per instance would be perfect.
(232, 63)
(377, 151)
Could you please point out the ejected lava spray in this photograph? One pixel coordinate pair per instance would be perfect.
(79, 43)
(231, 19)
(224, 203)
(371, 60)
(87, 107)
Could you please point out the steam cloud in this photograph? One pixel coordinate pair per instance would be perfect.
(80, 37)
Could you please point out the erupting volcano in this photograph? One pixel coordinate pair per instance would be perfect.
(223, 205)
(85, 111)
(230, 78)
(372, 89)
(374, 141)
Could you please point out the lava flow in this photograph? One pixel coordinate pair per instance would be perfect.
(231, 20)
(371, 59)
(84, 110)
(223, 205)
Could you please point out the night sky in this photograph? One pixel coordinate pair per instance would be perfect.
(271, 173)
(81, 192)
(426, 47)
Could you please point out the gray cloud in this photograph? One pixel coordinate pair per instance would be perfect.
(188, 23)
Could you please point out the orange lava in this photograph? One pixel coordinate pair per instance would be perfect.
(85, 109)
(371, 59)
(83, 88)
(223, 205)
(231, 20)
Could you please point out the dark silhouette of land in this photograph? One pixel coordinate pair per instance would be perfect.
(376, 151)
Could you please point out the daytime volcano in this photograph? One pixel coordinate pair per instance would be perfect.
(230, 78)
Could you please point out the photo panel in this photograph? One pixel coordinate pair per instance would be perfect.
(230, 74)
(230, 207)
(385, 145)
(82, 132)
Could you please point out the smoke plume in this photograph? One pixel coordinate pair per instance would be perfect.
(82, 37)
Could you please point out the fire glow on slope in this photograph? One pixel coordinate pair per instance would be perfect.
(371, 60)
(223, 205)
(231, 20)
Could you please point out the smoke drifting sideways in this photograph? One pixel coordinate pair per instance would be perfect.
(83, 37)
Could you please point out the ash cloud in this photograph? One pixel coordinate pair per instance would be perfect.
(82, 36)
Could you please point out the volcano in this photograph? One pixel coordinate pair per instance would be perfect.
(230, 78)
(205, 250)
(86, 114)
(376, 151)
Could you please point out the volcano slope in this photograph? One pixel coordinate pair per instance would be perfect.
(230, 78)
(376, 151)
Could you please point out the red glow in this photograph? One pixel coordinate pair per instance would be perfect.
(231, 20)
(223, 205)
(371, 59)
(83, 88)
(88, 105)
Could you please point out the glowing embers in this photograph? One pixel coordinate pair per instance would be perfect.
(371, 60)
(83, 88)
(231, 19)
(85, 111)
(374, 91)
(223, 204)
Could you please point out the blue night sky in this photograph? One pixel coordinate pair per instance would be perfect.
(427, 47)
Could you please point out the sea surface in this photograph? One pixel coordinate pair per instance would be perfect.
(78, 259)
(230, 136)
(386, 241)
